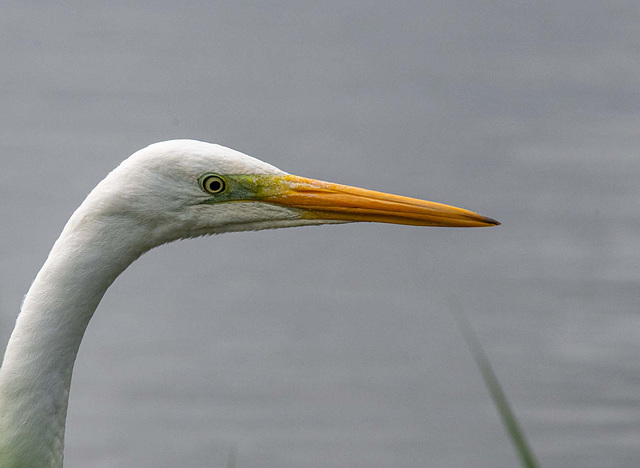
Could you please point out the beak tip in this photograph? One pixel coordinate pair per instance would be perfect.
(491, 221)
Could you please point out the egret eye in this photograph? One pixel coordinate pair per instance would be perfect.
(212, 183)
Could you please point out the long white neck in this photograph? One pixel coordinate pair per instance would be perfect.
(35, 376)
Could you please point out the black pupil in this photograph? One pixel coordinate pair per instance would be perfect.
(214, 185)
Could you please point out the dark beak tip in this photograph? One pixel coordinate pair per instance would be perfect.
(492, 221)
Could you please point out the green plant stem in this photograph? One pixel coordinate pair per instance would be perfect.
(527, 458)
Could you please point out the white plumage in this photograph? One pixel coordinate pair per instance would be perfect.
(167, 191)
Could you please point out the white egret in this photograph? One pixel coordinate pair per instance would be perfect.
(167, 191)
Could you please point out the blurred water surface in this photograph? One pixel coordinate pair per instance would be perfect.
(334, 346)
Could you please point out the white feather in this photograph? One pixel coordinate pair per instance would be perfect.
(152, 198)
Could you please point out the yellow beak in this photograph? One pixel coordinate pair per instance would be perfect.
(325, 200)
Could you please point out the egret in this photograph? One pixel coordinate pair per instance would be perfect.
(168, 191)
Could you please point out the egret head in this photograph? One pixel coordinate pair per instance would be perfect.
(186, 188)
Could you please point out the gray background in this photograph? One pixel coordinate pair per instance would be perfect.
(335, 346)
